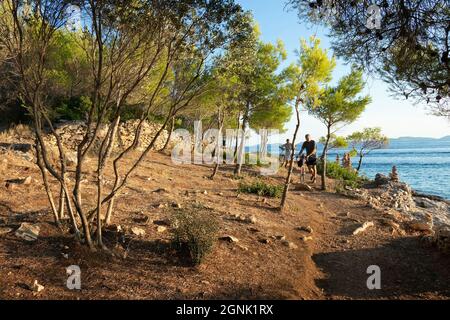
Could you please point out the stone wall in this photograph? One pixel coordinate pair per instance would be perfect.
(72, 133)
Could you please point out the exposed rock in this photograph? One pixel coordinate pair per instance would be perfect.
(363, 227)
(381, 179)
(394, 175)
(289, 244)
(244, 218)
(249, 219)
(28, 232)
(72, 133)
(305, 229)
(244, 248)
(229, 238)
(306, 238)
(138, 231)
(162, 223)
(442, 239)
(420, 226)
(161, 229)
(36, 287)
(5, 230)
(264, 241)
(25, 181)
(176, 205)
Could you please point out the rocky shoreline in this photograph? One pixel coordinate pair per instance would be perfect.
(409, 210)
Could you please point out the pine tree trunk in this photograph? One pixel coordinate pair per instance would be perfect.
(287, 184)
(241, 152)
(218, 154)
(236, 146)
(360, 162)
(172, 125)
(324, 160)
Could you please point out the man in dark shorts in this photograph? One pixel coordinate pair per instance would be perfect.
(311, 156)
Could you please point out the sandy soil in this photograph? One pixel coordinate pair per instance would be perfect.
(330, 266)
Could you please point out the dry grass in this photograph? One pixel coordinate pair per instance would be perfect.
(17, 133)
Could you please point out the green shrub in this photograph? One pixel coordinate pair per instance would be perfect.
(74, 108)
(195, 231)
(261, 188)
(344, 176)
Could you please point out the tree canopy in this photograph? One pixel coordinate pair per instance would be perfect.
(409, 48)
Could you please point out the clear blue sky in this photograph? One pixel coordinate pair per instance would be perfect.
(397, 117)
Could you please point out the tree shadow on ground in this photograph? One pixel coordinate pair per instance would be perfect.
(408, 268)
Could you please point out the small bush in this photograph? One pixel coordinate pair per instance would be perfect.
(262, 189)
(74, 108)
(195, 231)
(344, 176)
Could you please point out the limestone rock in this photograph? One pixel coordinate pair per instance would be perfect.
(161, 229)
(305, 229)
(5, 230)
(229, 238)
(138, 231)
(363, 227)
(419, 226)
(394, 175)
(381, 179)
(28, 232)
(289, 244)
(36, 287)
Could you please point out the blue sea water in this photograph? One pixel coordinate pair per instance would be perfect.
(422, 163)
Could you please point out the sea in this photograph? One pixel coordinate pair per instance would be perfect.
(423, 163)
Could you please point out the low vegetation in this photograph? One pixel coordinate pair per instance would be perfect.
(195, 231)
(261, 189)
(344, 177)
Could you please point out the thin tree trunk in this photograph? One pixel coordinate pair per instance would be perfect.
(119, 184)
(237, 136)
(62, 200)
(219, 155)
(46, 185)
(241, 152)
(172, 125)
(360, 162)
(287, 183)
(324, 160)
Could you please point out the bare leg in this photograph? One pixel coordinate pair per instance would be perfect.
(314, 170)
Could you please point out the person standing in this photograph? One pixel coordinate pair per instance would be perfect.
(311, 156)
(288, 149)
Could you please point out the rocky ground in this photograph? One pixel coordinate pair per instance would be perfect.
(319, 248)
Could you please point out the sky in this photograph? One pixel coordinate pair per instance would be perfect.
(396, 116)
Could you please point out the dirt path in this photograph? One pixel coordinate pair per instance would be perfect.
(330, 266)
(409, 268)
